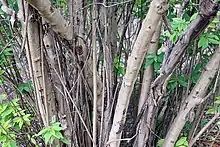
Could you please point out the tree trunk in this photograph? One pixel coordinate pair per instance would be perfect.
(157, 8)
(145, 89)
(195, 98)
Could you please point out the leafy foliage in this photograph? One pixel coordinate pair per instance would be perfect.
(155, 60)
(12, 120)
(52, 133)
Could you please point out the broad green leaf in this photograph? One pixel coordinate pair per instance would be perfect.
(20, 121)
(12, 144)
(217, 97)
(174, 37)
(181, 141)
(3, 138)
(213, 41)
(203, 42)
(195, 77)
(150, 62)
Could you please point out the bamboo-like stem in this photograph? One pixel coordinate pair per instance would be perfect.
(94, 75)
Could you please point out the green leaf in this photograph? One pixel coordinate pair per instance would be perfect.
(1, 81)
(215, 20)
(64, 140)
(20, 121)
(178, 20)
(21, 124)
(8, 52)
(58, 135)
(212, 36)
(174, 37)
(150, 62)
(7, 112)
(213, 41)
(33, 141)
(26, 117)
(2, 72)
(203, 42)
(217, 109)
(181, 81)
(52, 132)
(3, 138)
(26, 87)
(12, 144)
(217, 102)
(193, 16)
(47, 136)
(172, 85)
(52, 139)
(195, 77)
(198, 67)
(160, 143)
(3, 107)
(160, 57)
(150, 56)
(156, 66)
(181, 141)
(43, 131)
(210, 111)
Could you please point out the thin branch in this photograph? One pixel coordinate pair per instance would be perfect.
(204, 128)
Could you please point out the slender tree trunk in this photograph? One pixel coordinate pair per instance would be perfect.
(157, 8)
(195, 98)
(145, 89)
